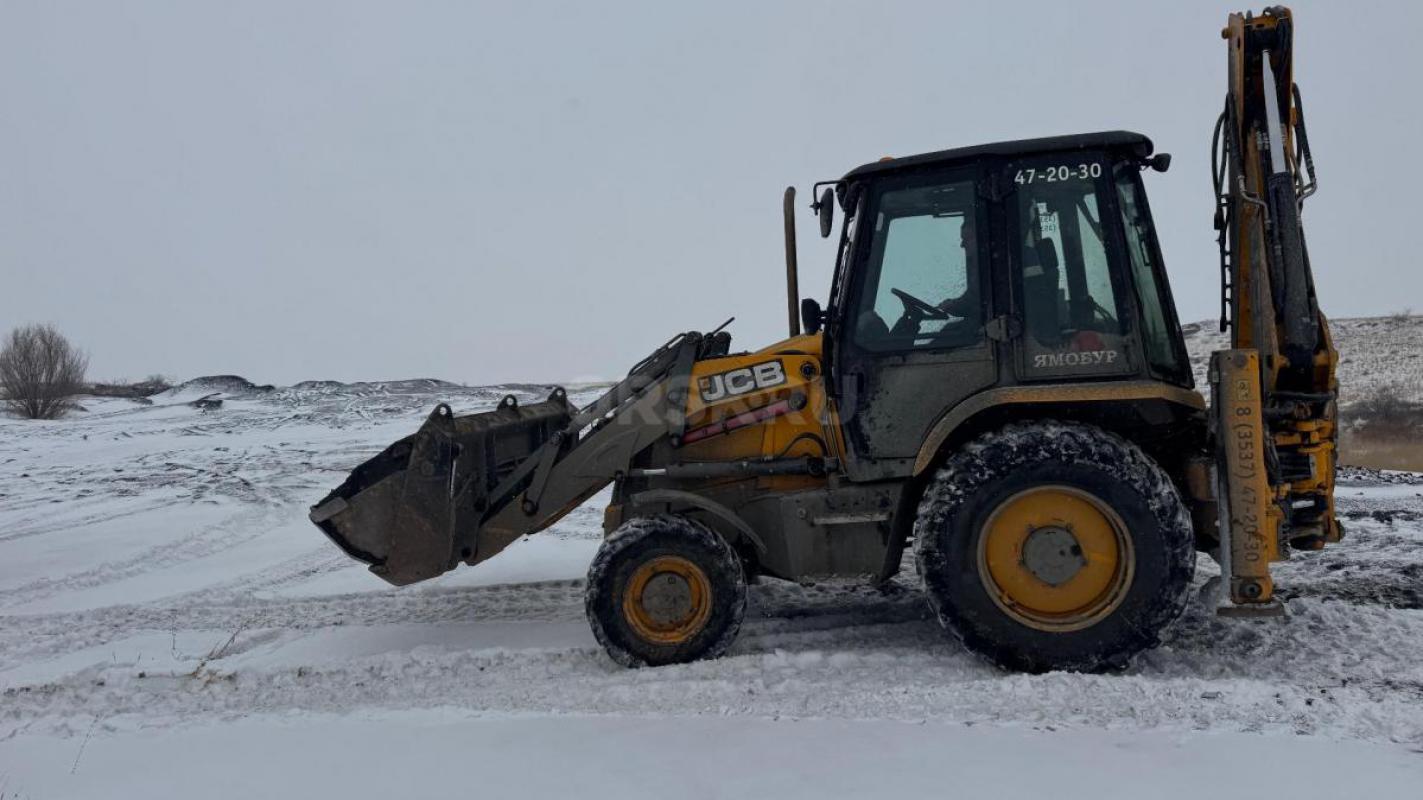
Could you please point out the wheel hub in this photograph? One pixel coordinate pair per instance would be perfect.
(667, 600)
(1055, 558)
(1053, 555)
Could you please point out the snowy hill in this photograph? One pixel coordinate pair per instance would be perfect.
(1374, 353)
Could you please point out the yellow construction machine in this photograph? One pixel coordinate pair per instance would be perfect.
(998, 379)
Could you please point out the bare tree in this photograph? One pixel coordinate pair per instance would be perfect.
(40, 371)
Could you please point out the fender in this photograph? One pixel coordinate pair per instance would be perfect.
(712, 507)
(1048, 393)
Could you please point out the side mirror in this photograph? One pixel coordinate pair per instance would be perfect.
(1160, 162)
(825, 209)
(810, 314)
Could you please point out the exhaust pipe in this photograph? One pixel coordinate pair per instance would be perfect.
(792, 278)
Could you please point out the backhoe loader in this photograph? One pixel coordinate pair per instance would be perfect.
(998, 379)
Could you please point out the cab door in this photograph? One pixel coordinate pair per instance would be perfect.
(909, 339)
(1067, 271)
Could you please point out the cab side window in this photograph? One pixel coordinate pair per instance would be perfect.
(920, 287)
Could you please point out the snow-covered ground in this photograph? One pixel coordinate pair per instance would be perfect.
(172, 626)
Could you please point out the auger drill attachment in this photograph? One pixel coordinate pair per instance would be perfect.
(1275, 391)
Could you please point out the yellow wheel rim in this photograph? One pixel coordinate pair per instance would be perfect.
(667, 600)
(1056, 558)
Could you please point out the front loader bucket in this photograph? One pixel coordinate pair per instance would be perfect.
(413, 512)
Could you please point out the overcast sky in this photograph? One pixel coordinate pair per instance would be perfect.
(518, 191)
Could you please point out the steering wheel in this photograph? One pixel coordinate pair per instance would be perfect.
(918, 307)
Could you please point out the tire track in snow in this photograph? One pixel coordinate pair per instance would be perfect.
(817, 652)
(880, 671)
(25, 529)
(31, 637)
(292, 572)
(237, 529)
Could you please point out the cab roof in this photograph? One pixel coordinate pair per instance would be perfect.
(1140, 146)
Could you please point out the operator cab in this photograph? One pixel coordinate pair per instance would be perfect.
(1026, 262)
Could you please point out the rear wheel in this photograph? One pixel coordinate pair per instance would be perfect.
(665, 590)
(1054, 546)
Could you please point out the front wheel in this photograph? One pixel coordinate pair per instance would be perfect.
(665, 590)
(1049, 546)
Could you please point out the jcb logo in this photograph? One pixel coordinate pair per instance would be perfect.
(740, 381)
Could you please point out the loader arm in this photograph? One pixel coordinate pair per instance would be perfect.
(1275, 391)
(461, 489)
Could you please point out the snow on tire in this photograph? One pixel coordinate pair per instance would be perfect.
(1023, 522)
(665, 590)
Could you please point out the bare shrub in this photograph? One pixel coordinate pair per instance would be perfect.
(133, 390)
(1385, 412)
(1384, 430)
(40, 372)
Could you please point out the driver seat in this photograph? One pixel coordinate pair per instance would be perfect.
(1040, 282)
